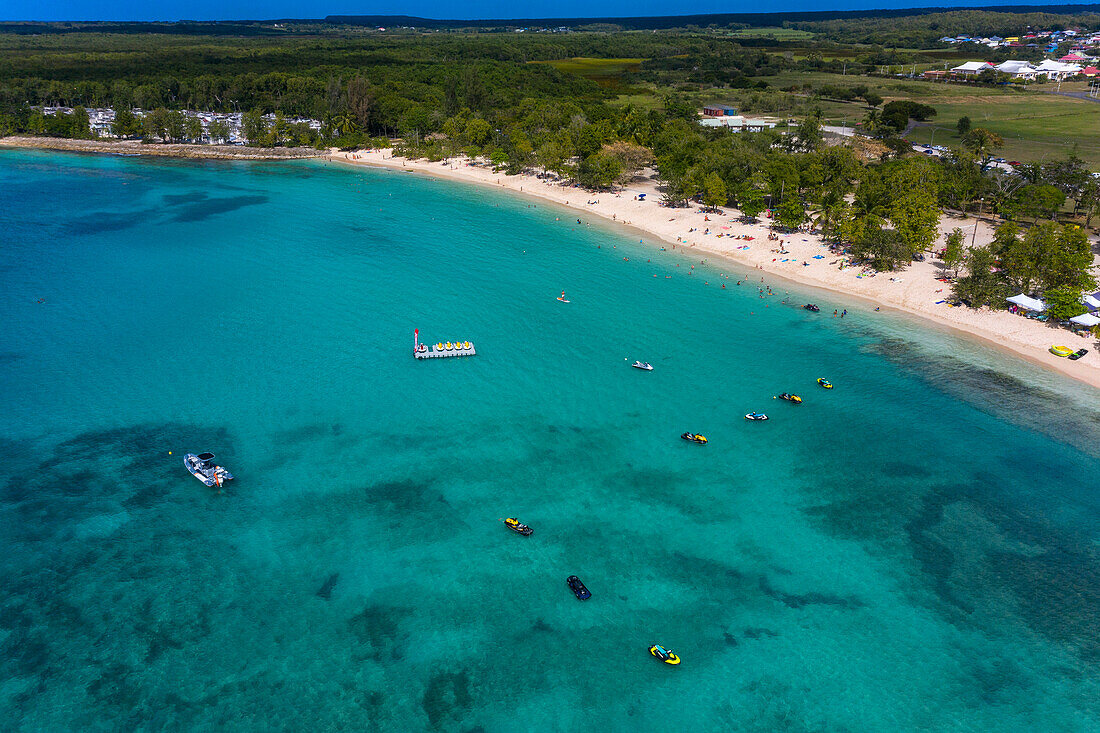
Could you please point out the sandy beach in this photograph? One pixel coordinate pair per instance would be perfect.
(802, 257)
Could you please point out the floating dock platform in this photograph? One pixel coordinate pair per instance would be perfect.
(434, 353)
(441, 350)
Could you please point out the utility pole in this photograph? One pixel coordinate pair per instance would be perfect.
(975, 234)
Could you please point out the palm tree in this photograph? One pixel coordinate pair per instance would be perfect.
(871, 121)
(827, 213)
(344, 124)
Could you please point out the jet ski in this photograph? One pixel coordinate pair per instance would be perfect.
(578, 588)
(790, 397)
(1078, 354)
(811, 307)
(694, 438)
(756, 416)
(203, 468)
(825, 383)
(643, 365)
(515, 525)
(665, 655)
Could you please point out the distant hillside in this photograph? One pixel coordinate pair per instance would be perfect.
(683, 21)
(830, 20)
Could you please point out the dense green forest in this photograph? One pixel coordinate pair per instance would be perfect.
(525, 101)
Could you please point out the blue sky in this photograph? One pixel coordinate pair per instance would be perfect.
(251, 9)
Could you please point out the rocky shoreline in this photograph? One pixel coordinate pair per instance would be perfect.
(171, 150)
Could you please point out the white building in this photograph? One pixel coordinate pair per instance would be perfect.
(971, 68)
(1056, 70)
(101, 119)
(1017, 69)
(737, 123)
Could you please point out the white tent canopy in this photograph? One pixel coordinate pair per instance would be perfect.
(1032, 304)
(1086, 319)
(1092, 302)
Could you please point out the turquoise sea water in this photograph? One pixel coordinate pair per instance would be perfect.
(916, 549)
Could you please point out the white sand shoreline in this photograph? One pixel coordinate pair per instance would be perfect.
(913, 291)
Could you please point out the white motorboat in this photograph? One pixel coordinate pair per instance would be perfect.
(203, 468)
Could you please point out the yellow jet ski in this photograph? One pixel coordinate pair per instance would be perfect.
(663, 654)
(825, 383)
(516, 526)
(790, 397)
(694, 438)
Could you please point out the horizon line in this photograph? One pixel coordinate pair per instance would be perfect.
(348, 19)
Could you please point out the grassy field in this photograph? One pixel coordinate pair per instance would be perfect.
(1038, 127)
(643, 101)
(779, 34)
(605, 72)
(1035, 125)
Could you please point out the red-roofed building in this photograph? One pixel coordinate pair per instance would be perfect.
(1090, 71)
(1072, 57)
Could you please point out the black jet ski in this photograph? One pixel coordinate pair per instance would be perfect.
(578, 588)
(811, 307)
(790, 397)
(516, 526)
(1078, 354)
(695, 438)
